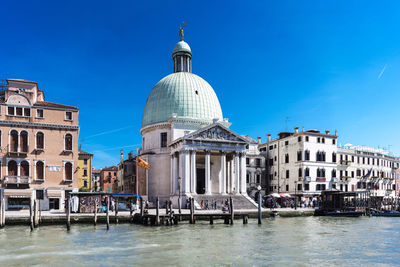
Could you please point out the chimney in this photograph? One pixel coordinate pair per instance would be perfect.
(268, 138)
(336, 132)
(122, 155)
(327, 131)
(259, 139)
(296, 129)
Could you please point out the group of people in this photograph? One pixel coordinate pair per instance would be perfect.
(205, 205)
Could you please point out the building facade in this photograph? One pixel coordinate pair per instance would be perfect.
(96, 180)
(85, 182)
(39, 147)
(301, 162)
(109, 180)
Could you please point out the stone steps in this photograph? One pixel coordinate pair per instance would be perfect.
(239, 201)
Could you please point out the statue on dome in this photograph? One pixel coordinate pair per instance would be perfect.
(181, 30)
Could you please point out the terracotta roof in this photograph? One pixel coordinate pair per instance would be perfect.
(111, 168)
(20, 80)
(53, 105)
(84, 153)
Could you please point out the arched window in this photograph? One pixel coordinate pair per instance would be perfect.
(24, 141)
(12, 168)
(14, 141)
(39, 140)
(333, 157)
(307, 155)
(39, 170)
(68, 171)
(68, 142)
(24, 168)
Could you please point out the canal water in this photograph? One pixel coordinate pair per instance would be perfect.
(299, 241)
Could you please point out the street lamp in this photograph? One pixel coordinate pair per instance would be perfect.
(295, 195)
(179, 192)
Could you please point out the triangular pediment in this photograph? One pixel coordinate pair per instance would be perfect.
(216, 132)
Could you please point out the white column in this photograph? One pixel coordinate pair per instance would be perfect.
(223, 173)
(186, 173)
(237, 173)
(208, 172)
(232, 176)
(243, 186)
(193, 172)
(172, 174)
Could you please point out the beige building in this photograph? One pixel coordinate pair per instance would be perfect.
(39, 147)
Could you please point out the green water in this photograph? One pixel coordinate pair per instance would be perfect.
(278, 241)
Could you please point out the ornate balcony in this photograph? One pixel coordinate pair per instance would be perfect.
(13, 151)
(13, 179)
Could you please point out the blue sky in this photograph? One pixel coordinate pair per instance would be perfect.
(273, 64)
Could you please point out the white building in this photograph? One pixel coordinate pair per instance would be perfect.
(365, 168)
(187, 141)
(301, 162)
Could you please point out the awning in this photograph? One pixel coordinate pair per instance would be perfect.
(287, 195)
(275, 195)
(54, 192)
(18, 193)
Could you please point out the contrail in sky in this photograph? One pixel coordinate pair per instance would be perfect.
(106, 132)
(382, 71)
(118, 147)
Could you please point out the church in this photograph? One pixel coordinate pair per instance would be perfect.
(187, 141)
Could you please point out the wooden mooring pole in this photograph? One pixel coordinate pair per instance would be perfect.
(68, 213)
(259, 207)
(3, 212)
(95, 212)
(36, 213)
(157, 222)
(107, 213)
(141, 207)
(31, 222)
(231, 209)
(116, 210)
(192, 211)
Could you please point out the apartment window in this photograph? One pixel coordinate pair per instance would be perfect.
(341, 174)
(68, 171)
(68, 115)
(39, 140)
(18, 111)
(352, 174)
(287, 174)
(247, 178)
(323, 140)
(247, 161)
(12, 168)
(84, 161)
(307, 172)
(39, 170)
(287, 188)
(307, 139)
(333, 157)
(85, 183)
(258, 162)
(24, 169)
(320, 156)
(363, 160)
(333, 173)
(306, 187)
(258, 178)
(39, 113)
(14, 141)
(299, 154)
(287, 158)
(39, 194)
(368, 161)
(275, 158)
(299, 187)
(24, 141)
(85, 172)
(358, 160)
(300, 172)
(307, 155)
(286, 143)
(319, 140)
(321, 173)
(333, 141)
(163, 139)
(352, 158)
(271, 147)
(299, 139)
(68, 142)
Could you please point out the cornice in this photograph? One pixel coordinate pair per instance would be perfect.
(38, 125)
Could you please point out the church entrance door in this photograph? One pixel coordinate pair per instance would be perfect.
(201, 181)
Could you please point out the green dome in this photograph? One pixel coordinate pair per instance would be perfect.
(183, 93)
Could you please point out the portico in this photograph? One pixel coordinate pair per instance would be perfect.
(209, 161)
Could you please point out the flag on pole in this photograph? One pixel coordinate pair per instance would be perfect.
(142, 163)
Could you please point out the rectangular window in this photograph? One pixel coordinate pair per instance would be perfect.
(84, 161)
(271, 147)
(19, 111)
(299, 187)
(39, 113)
(27, 112)
(299, 155)
(85, 183)
(258, 162)
(287, 174)
(299, 139)
(39, 194)
(68, 115)
(287, 187)
(163, 139)
(247, 161)
(307, 139)
(287, 158)
(306, 187)
(333, 141)
(85, 172)
(11, 111)
(286, 143)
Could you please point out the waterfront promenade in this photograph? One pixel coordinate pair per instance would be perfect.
(55, 217)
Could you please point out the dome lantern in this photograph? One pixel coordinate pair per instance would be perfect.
(182, 55)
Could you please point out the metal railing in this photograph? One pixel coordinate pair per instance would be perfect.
(14, 179)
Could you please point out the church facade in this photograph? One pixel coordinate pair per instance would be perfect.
(188, 143)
